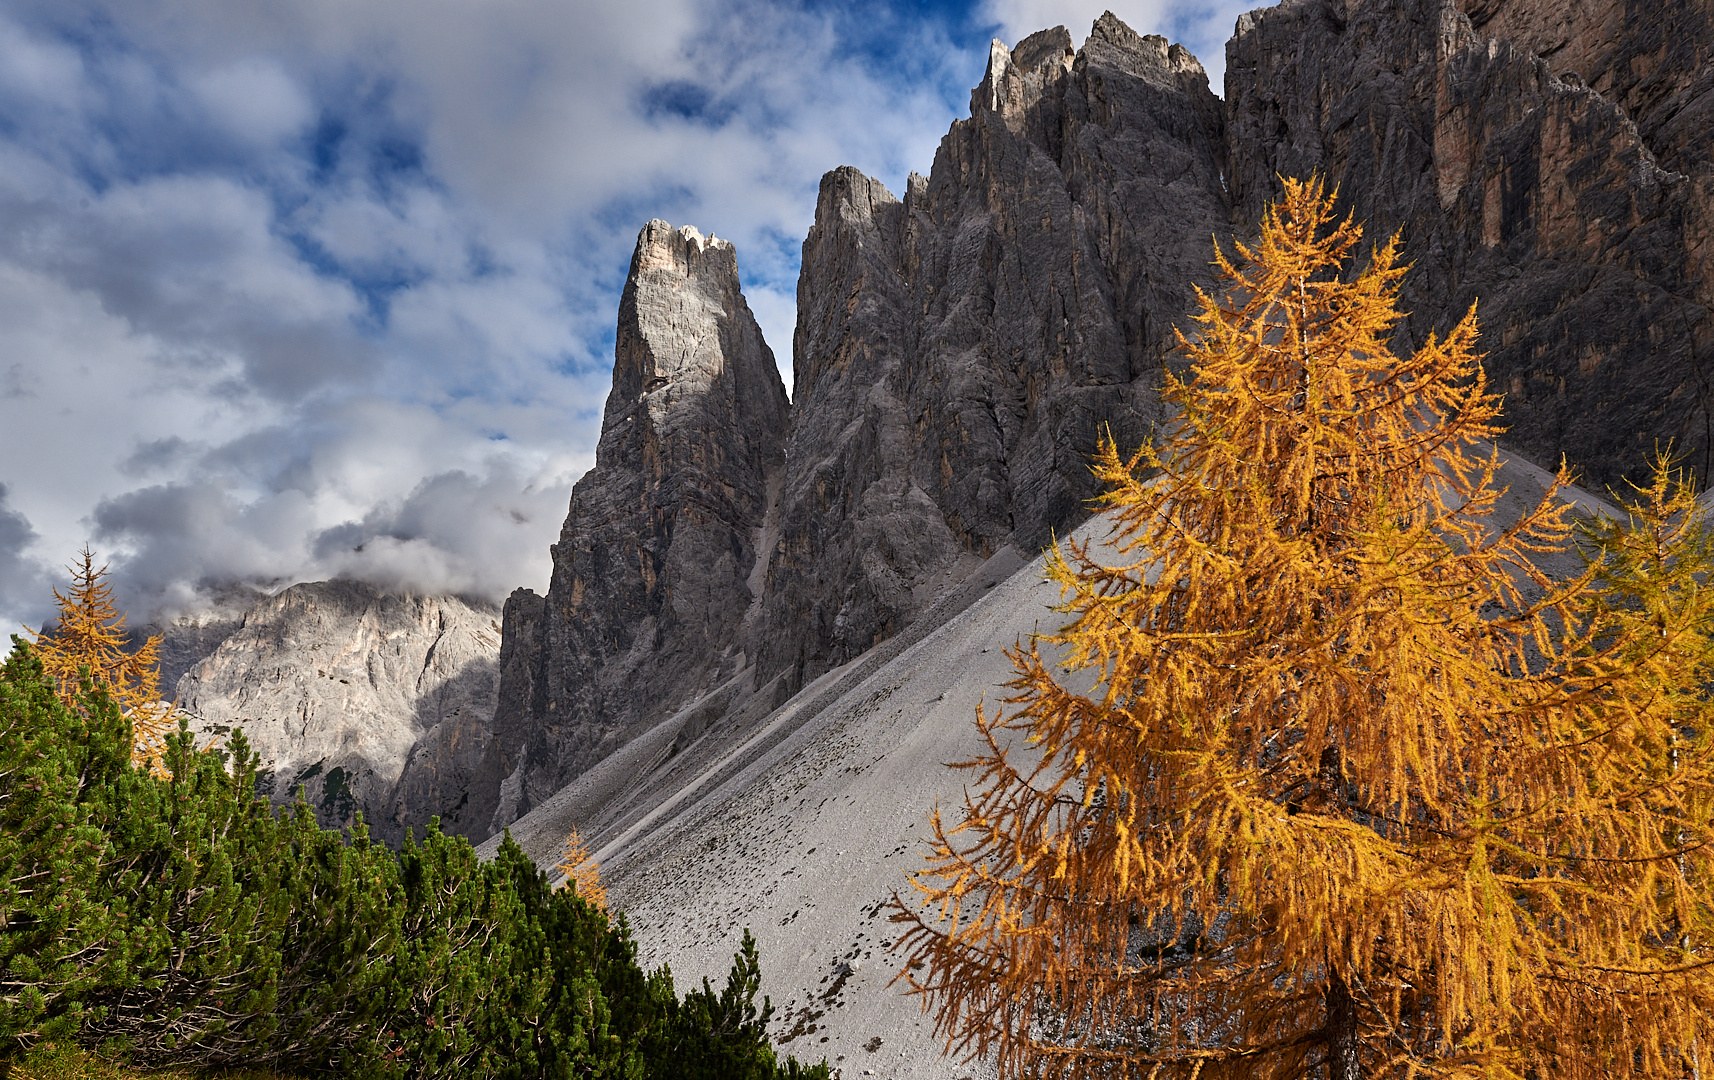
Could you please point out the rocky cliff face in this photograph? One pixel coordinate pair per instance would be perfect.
(190, 638)
(1551, 160)
(954, 347)
(657, 566)
(187, 642)
(1651, 59)
(958, 351)
(335, 684)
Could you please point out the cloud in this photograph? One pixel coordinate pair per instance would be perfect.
(464, 533)
(345, 496)
(775, 310)
(253, 99)
(293, 288)
(25, 584)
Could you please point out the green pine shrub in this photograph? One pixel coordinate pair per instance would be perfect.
(177, 920)
(58, 941)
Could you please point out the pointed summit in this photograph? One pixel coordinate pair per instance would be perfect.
(653, 571)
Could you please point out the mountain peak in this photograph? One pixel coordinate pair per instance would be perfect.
(683, 250)
(653, 572)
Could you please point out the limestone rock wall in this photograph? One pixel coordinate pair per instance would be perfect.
(1651, 59)
(958, 351)
(1569, 195)
(336, 684)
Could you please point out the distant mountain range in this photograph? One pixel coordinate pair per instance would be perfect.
(341, 688)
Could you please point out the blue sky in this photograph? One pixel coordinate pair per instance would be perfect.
(298, 288)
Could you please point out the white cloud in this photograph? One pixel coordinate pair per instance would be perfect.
(49, 72)
(254, 99)
(460, 532)
(352, 499)
(91, 391)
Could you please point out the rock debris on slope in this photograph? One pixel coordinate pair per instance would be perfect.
(957, 350)
(803, 823)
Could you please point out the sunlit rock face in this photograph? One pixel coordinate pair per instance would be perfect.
(959, 351)
(336, 683)
(1549, 160)
(656, 568)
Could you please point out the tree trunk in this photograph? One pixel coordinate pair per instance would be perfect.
(1343, 1062)
(1342, 1059)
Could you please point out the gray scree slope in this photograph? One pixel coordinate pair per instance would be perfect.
(801, 823)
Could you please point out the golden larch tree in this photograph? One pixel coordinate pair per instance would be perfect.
(582, 874)
(1325, 777)
(89, 639)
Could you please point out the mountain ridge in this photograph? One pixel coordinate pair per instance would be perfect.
(338, 685)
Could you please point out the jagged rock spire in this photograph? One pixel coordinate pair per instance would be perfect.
(652, 573)
(959, 350)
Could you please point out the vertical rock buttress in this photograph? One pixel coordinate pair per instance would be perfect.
(646, 606)
(958, 352)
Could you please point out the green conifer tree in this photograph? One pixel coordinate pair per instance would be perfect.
(57, 940)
